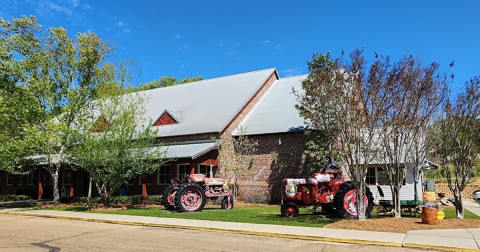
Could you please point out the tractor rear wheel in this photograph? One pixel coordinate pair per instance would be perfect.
(345, 201)
(190, 198)
(289, 209)
(227, 203)
(168, 197)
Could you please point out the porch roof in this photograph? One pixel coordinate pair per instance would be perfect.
(186, 150)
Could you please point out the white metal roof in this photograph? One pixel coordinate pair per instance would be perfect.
(204, 106)
(192, 150)
(275, 112)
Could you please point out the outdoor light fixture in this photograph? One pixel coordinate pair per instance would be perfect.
(279, 141)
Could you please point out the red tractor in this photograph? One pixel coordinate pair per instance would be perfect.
(190, 194)
(326, 189)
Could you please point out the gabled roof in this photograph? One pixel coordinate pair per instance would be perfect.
(205, 106)
(275, 112)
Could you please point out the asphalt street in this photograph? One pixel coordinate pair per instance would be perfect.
(25, 233)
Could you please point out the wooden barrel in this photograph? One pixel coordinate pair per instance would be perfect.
(429, 215)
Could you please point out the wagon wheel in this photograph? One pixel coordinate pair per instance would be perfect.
(418, 210)
(381, 210)
(190, 198)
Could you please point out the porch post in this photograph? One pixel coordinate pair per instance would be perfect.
(14, 192)
(72, 185)
(192, 168)
(144, 187)
(40, 183)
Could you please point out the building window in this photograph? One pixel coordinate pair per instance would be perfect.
(67, 176)
(382, 177)
(377, 175)
(9, 179)
(205, 170)
(164, 175)
(20, 180)
(31, 178)
(182, 170)
(370, 179)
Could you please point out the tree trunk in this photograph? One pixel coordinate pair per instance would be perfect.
(459, 205)
(234, 188)
(56, 194)
(89, 190)
(106, 198)
(360, 194)
(396, 201)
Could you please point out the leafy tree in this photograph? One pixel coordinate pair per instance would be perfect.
(47, 78)
(115, 143)
(165, 81)
(338, 100)
(457, 139)
(413, 95)
(238, 155)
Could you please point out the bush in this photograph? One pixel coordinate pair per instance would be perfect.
(11, 197)
(256, 198)
(120, 200)
(154, 199)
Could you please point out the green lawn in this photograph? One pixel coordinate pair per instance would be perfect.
(268, 214)
(253, 214)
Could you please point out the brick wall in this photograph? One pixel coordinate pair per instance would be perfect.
(272, 164)
(467, 193)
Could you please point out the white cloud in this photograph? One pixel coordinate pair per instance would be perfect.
(58, 8)
(278, 47)
(126, 30)
(178, 36)
(231, 53)
(120, 23)
(291, 72)
(185, 47)
(75, 3)
(266, 42)
(237, 44)
(86, 6)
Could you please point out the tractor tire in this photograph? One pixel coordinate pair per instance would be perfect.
(168, 197)
(227, 203)
(190, 197)
(289, 209)
(345, 200)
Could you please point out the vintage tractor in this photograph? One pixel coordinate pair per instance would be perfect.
(190, 194)
(326, 189)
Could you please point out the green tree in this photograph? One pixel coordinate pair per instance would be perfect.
(47, 79)
(165, 81)
(457, 139)
(338, 100)
(115, 142)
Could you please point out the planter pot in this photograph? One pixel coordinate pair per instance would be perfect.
(429, 215)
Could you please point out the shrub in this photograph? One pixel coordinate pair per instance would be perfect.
(11, 197)
(256, 198)
(120, 200)
(154, 199)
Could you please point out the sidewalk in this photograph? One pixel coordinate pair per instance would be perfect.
(452, 239)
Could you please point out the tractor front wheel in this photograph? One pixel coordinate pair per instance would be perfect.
(289, 209)
(227, 203)
(190, 198)
(345, 201)
(168, 197)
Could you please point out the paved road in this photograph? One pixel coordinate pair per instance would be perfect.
(25, 233)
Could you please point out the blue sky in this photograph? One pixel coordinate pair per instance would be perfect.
(217, 38)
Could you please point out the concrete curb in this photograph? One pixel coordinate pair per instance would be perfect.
(269, 234)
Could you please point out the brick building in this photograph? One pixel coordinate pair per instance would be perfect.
(190, 119)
